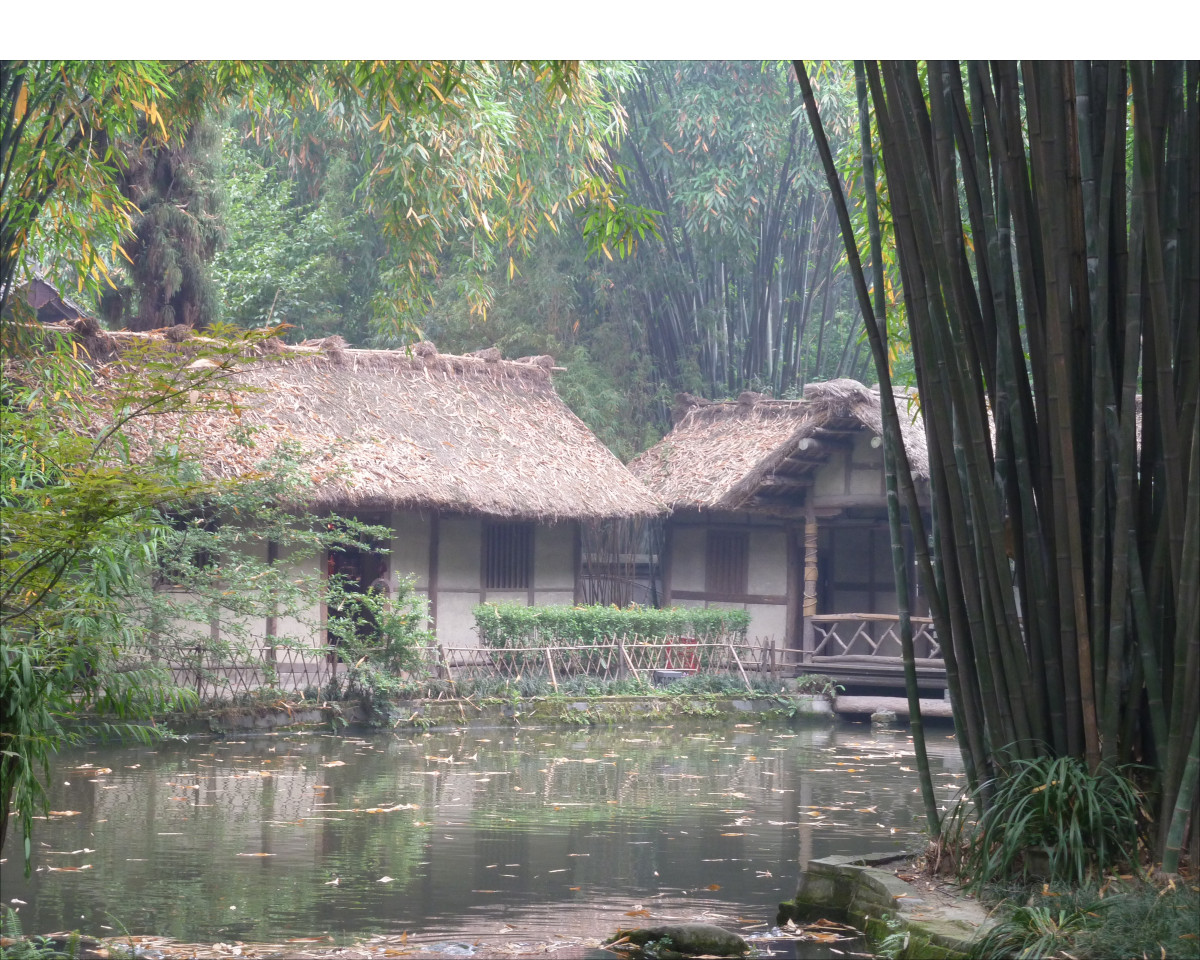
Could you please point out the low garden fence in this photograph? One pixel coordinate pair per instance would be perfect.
(622, 658)
(309, 671)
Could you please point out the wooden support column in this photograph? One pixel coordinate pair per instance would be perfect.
(577, 554)
(272, 626)
(432, 579)
(667, 550)
(810, 581)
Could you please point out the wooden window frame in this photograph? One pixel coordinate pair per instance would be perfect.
(727, 563)
(507, 556)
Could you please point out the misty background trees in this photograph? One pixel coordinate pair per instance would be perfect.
(466, 223)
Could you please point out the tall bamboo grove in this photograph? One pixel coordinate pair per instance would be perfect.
(1046, 217)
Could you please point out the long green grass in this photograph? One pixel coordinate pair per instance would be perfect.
(1132, 919)
(1050, 818)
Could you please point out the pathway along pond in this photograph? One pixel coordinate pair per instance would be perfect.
(504, 836)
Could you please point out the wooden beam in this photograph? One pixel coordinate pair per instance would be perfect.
(809, 609)
(730, 597)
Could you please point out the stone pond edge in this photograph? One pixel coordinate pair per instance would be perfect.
(855, 890)
(541, 711)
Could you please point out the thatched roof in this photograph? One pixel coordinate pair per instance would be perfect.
(414, 429)
(754, 451)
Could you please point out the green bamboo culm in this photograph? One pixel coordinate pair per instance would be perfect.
(1046, 223)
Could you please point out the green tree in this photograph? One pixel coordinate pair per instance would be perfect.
(175, 233)
(746, 289)
(1050, 255)
(507, 153)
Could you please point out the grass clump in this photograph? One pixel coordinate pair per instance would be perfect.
(1116, 919)
(1047, 818)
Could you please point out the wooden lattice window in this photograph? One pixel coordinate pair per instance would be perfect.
(507, 556)
(727, 562)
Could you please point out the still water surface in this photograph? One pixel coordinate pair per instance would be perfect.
(449, 835)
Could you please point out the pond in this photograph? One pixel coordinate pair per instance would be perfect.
(495, 835)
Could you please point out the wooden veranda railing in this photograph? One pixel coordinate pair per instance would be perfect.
(869, 634)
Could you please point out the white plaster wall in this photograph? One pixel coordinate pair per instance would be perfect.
(831, 478)
(410, 547)
(455, 621)
(866, 481)
(554, 557)
(460, 543)
(519, 598)
(293, 628)
(183, 631)
(688, 551)
(767, 621)
(545, 598)
(768, 562)
(245, 635)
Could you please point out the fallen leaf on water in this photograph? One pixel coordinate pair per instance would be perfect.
(256, 854)
(385, 879)
(334, 763)
(62, 813)
(86, 866)
(637, 913)
(713, 886)
(733, 834)
(573, 888)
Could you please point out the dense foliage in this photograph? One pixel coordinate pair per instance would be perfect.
(106, 184)
(117, 556)
(501, 625)
(1045, 219)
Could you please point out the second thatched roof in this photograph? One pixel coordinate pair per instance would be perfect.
(415, 429)
(739, 454)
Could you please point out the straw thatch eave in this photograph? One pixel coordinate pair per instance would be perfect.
(408, 429)
(732, 455)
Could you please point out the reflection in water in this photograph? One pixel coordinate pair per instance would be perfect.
(524, 832)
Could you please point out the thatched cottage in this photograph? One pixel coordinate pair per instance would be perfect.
(779, 507)
(481, 472)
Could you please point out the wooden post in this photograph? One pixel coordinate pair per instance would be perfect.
(741, 669)
(550, 667)
(272, 625)
(443, 665)
(774, 672)
(621, 658)
(625, 656)
(810, 582)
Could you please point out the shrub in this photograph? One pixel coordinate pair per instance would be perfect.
(503, 626)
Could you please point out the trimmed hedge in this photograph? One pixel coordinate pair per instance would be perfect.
(505, 625)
